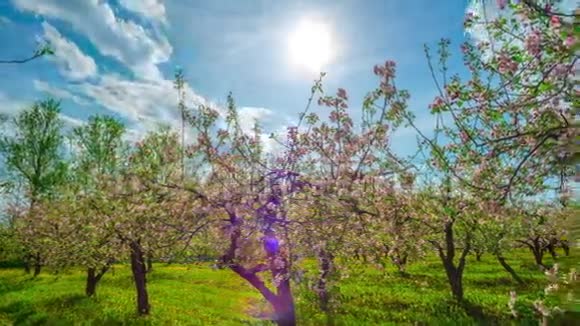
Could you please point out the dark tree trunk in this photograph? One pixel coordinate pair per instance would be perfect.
(325, 263)
(455, 279)
(91, 282)
(401, 262)
(37, 269)
(37, 265)
(454, 272)
(27, 267)
(139, 277)
(509, 269)
(149, 264)
(478, 255)
(538, 256)
(93, 279)
(552, 248)
(282, 302)
(564, 244)
(284, 305)
(356, 254)
(278, 265)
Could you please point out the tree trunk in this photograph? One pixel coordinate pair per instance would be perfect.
(91, 282)
(93, 279)
(478, 255)
(325, 263)
(149, 264)
(278, 265)
(447, 255)
(564, 244)
(284, 305)
(552, 250)
(509, 269)
(282, 302)
(37, 269)
(455, 279)
(538, 257)
(139, 276)
(37, 265)
(401, 262)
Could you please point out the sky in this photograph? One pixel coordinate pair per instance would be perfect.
(118, 57)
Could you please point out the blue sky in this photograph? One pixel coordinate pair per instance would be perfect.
(118, 56)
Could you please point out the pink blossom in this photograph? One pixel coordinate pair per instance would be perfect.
(464, 136)
(555, 22)
(387, 71)
(501, 3)
(560, 70)
(533, 42)
(342, 94)
(387, 88)
(437, 103)
(452, 91)
(293, 133)
(569, 41)
(390, 64)
(333, 116)
(390, 69)
(506, 65)
(222, 133)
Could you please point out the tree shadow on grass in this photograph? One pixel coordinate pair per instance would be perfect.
(7, 287)
(475, 311)
(122, 283)
(569, 318)
(48, 312)
(65, 301)
(491, 282)
(23, 313)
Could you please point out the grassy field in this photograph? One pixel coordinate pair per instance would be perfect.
(199, 295)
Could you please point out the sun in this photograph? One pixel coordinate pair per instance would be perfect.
(310, 45)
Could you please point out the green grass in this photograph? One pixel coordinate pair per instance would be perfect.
(372, 297)
(179, 295)
(198, 295)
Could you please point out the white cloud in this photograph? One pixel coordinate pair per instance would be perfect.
(72, 62)
(58, 93)
(9, 105)
(150, 9)
(146, 105)
(485, 11)
(273, 146)
(143, 104)
(248, 116)
(70, 121)
(145, 101)
(136, 100)
(113, 36)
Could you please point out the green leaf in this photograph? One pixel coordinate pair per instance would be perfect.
(518, 58)
(545, 87)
